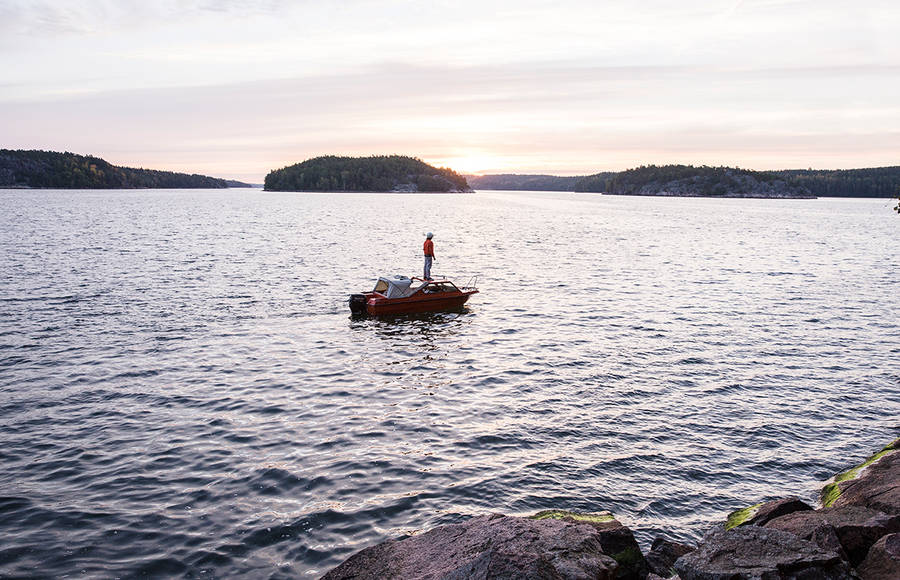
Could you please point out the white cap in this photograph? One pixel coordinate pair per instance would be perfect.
(429, 235)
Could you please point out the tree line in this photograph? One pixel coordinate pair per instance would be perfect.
(50, 169)
(512, 181)
(873, 182)
(690, 180)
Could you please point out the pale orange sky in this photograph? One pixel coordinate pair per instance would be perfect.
(235, 89)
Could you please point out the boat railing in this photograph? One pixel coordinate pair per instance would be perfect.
(471, 284)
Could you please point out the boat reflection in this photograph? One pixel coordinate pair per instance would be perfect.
(427, 321)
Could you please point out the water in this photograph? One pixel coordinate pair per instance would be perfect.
(183, 391)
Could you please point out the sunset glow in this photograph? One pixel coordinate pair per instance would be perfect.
(474, 164)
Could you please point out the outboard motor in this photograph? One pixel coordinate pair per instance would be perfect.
(357, 303)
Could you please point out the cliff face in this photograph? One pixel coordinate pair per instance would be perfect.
(395, 173)
(49, 169)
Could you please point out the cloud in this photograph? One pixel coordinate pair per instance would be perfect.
(46, 17)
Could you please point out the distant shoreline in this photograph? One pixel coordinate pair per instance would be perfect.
(368, 192)
(724, 196)
(706, 181)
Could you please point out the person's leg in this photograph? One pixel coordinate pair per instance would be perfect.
(428, 267)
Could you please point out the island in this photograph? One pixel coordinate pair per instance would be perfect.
(53, 170)
(705, 181)
(378, 173)
(690, 181)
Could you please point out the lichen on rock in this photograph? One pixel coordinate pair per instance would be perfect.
(759, 514)
(834, 489)
(741, 516)
(598, 517)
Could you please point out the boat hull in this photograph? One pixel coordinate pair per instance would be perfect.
(377, 306)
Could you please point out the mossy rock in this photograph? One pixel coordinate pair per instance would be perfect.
(759, 514)
(591, 518)
(629, 557)
(616, 540)
(736, 518)
(832, 491)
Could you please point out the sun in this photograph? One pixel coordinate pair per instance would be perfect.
(472, 163)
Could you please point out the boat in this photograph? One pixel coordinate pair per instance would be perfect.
(403, 295)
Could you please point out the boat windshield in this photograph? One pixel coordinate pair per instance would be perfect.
(394, 287)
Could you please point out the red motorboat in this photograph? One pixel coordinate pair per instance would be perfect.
(398, 295)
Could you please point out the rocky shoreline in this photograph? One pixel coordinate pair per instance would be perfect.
(853, 534)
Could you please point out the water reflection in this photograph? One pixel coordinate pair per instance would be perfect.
(423, 323)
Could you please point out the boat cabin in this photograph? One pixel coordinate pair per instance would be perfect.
(401, 286)
(394, 287)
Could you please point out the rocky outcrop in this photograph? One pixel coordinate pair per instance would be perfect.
(616, 540)
(874, 483)
(883, 560)
(753, 552)
(860, 511)
(492, 546)
(856, 528)
(856, 534)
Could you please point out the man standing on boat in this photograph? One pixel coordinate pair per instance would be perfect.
(429, 254)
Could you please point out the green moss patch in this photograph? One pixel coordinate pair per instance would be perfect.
(628, 557)
(832, 491)
(596, 518)
(740, 517)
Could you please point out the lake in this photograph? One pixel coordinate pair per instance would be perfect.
(184, 392)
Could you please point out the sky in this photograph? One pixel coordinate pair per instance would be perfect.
(236, 88)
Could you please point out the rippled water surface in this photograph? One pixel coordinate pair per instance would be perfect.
(183, 391)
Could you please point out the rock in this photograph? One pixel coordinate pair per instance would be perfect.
(491, 546)
(825, 536)
(883, 561)
(662, 555)
(752, 552)
(759, 514)
(856, 528)
(873, 484)
(616, 540)
(652, 576)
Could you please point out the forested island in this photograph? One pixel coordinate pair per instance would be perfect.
(49, 169)
(688, 180)
(873, 182)
(380, 173)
